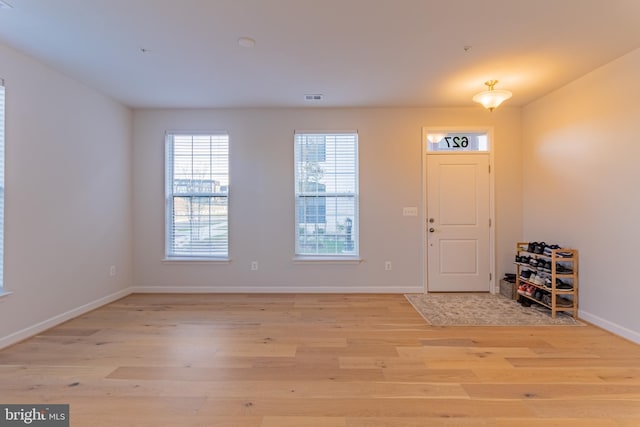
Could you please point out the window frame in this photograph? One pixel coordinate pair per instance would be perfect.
(3, 289)
(352, 256)
(170, 255)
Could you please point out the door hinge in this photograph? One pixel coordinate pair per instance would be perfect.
(489, 222)
(490, 276)
(489, 168)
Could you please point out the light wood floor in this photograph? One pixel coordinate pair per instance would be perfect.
(318, 360)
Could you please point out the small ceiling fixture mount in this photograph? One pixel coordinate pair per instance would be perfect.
(247, 42)
(492, 98)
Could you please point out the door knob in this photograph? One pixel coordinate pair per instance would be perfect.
(431, 230)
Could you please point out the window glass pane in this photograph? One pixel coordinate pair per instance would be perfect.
(457, 141)
(197, 190)
(199, 226)
(326, 173)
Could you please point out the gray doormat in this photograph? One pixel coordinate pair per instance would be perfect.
(483, 309)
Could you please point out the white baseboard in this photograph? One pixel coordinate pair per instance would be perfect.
(274, 290)
(614, 328)
(60, 318)
(23, 334)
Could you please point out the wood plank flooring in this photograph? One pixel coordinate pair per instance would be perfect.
(318, 360)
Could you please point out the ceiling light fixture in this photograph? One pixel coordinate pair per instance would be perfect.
(492, 98)
(247, 42)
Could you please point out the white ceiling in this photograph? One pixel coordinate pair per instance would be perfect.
(354, 52)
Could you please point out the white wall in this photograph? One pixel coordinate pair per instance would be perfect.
(581, 175)
(68, 197)
(261, 199)
(70, 211)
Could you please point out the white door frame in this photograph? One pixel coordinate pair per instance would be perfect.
(492, 230)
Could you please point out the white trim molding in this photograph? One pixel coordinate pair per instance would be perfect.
(276, 290)
(60, 318)
(614, 328)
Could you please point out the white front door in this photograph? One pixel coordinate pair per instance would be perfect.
(458, 223)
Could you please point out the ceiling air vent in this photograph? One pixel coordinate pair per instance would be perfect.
(313, 97)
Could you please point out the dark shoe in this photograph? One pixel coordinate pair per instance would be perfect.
(525, 274)
(564, 302)
(539, 248)
(563, 286)
(561, 269)
(538, 295)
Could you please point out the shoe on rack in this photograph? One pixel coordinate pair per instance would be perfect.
(548, 249)
(539, 280)
(564, 254)
(545, 265)
(539, 248)
(537, 295)
(531, 246)
(561, 269)
(525, 274)
(563, 285)
(564, 302)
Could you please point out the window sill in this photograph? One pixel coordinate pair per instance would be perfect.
(4, 294)
(326, 260)
(196, 260)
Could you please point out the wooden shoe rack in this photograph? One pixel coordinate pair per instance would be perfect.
(563, 266)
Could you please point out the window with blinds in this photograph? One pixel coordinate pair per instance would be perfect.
(326, 194)
(197, 194)
(1, 184)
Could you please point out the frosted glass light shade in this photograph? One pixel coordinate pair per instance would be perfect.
(491, 98)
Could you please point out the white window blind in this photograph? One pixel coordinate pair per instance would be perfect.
(326, 194)
(197, 193)
(1, 184)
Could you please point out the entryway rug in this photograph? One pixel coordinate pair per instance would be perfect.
(483, 309)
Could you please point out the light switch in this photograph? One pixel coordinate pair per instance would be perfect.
(410, 211)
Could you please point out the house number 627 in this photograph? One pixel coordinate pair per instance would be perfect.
(457, 141)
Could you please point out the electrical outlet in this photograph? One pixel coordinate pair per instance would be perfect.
(387, 265)
(254, 265)
(112, 270)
